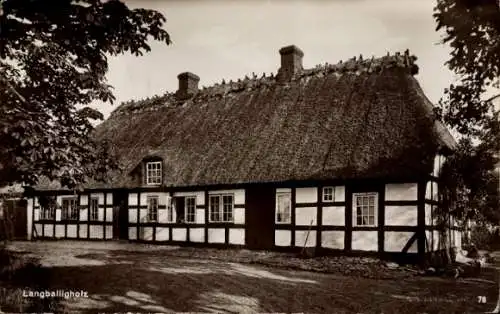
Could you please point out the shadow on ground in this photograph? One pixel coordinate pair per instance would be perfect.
(123, 281)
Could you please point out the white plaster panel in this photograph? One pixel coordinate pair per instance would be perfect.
(72, 229)
(48, 230)
(437, 239)
(364, 240)
(401, 192)
(100, 214)
(428, 239)
(30, 213)
(59, 231)
(109, 199)
(84, 199)
(109, 214)
(132, 215)
(179, 234)
(339, 194)
(239, 215)
(96, 232)
(435, 191)
(162, 234)
(306, 195)
(428, 190)
(282, 237)
(38, 229)
(395, 241)
(36, 202)
(132, 233)
(332, 239)
(301, 236)
(283, 190)
(428, 215)
(36, 215)
(401, 215)
(109, 232)
(163, 215)
(216, 235)
(83, 232)
(146, 233)
(58, 214)
(333, 216)
(132, 199)
(83, 214)
(197, 235)
(200, 216)
(304, 215)
(237, 236)
(143, 215)
(239, 195)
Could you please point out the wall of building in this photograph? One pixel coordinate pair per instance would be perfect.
(83, 227)
(199, 231)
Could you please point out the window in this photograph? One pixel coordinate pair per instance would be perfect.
(48, 213)
(190, 209)
(152, 208)
(221, 208)
(170, 209)
(69, 209)
(283, 207)
(153, 173)
(328, 194)
(365, 206)
(94, 209)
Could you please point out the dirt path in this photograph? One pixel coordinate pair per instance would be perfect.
(122, 277)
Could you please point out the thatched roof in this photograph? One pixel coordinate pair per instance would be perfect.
(355, 119)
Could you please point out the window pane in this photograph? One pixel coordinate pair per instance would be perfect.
(372, 200)
(359, 221)
(284, 207)
(371, 220)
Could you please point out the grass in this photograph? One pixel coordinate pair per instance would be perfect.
(119, 279)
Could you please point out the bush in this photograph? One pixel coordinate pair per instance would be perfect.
(484, 238)
(17, 271)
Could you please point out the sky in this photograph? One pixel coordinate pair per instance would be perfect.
(223, 39)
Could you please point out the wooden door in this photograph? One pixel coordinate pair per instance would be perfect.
(259, 217)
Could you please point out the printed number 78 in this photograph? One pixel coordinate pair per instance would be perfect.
(481, 299)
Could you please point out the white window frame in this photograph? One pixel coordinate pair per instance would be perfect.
(154, 173)
(324, 194)
(355, 197)
(152, 210)
(93, 210)
(186, 209)
(278, 195)
(220, 208)
(72, 212)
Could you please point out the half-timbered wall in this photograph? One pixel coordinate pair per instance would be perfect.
(168, 229)
(451, 236)
(329, 221)
(84, 224)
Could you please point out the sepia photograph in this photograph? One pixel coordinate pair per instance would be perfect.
(250, 156)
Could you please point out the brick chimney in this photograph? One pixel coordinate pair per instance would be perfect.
(188, 84)
(291, 62)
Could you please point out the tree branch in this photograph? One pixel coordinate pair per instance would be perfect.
(493, 98)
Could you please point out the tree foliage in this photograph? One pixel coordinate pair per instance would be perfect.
(472, 30)
(469, 177)
(53, 65)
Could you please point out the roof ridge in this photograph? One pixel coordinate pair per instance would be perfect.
(219, 89)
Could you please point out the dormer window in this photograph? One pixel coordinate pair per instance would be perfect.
(153, 172)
